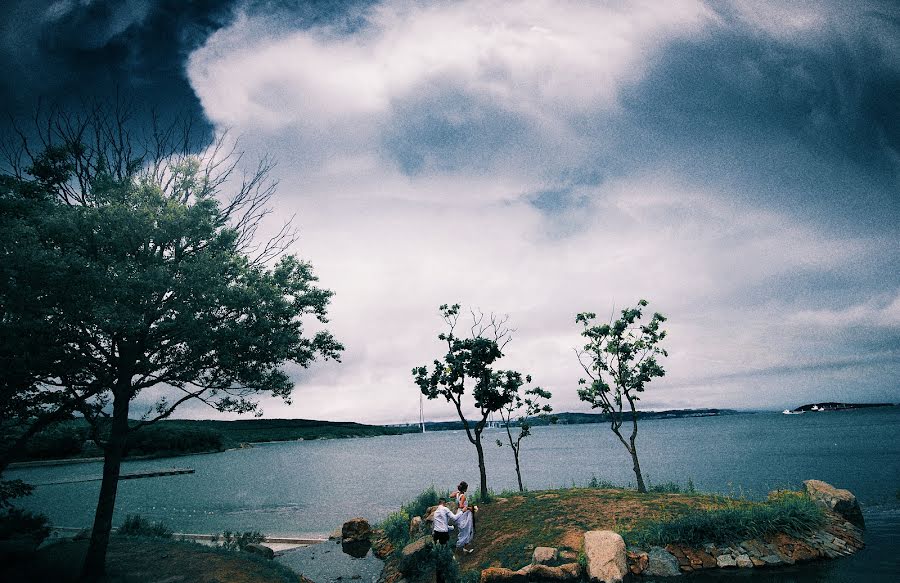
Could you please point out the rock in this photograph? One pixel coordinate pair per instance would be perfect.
(355, 529)
(725, 561)
(544, 556)
(335, 534)
(415, 553)
(661, 563)
(605, 552)
(356, 548)
(637, 561)
(841, 501)
(501, 575)
(261, 550)
(415, 526)
(536, 572)
(771, 560)
(743, 561)
(429, 514)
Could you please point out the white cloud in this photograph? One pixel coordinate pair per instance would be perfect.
(878, 312)
(534, 57)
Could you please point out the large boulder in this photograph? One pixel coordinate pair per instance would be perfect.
(605, 551)
(545, 573)
(502, 575)
(661, 563)
(841, 501)
(356, 530)
(415, 527)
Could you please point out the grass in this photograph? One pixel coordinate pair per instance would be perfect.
(132, 559)
(789, 514)
(507, 529)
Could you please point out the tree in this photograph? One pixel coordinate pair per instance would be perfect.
(468, 365)
(172, 291)
(619, 360)
(525, 407)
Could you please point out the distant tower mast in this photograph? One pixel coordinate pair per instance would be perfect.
(421, 413)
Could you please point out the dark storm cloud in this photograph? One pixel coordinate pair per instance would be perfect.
(68, 52)
(809, 123)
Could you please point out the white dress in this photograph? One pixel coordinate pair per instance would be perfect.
(463, 523)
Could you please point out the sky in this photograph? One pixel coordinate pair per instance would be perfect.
(736, 163)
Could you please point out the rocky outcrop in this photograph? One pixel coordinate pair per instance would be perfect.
(838, 537)
(535, 572)
(841, 501)
(415, 527)
(356, 530)
(605, 551)
(544, 556)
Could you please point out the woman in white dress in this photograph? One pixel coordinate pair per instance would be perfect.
(464, 523)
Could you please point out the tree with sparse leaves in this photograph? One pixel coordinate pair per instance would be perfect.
(146, 276)
(467, 368)
(619, 359)
(524, 407)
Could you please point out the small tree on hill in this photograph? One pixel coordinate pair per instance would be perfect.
(467, 368)
(619, 360)
(524, 407)
(151, 280)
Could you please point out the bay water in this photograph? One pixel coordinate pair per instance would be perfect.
(308, 488)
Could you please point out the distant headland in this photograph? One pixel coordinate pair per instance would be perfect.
(832, 406)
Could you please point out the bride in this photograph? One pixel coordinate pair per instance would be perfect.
(464, 520)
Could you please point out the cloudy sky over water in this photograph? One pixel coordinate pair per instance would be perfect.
(737, 163)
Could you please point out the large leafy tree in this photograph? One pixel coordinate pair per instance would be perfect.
(467, 371)
(619, 359)
(520, 412)
(149, 279)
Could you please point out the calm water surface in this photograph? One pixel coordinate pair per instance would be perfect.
(310, 487)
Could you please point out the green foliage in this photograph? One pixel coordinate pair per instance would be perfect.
(396, 528)
(12, 489)
(136, 525)
(237, 541)
(468, 365)
(58, 441)
(601, 484)
(18, 522)
(619, 359)
(396, 525)
(795, 515)
(169, 440)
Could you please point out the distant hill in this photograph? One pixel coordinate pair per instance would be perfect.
(583, 418)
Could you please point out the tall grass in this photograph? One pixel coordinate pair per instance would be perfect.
(794, 515)
(137, 525)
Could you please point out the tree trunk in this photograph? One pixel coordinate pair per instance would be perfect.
(95, 560)
(481, 468)
(637, 470)
(518, 470)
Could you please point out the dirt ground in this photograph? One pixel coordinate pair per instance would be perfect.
(148, 560)
(508, 529)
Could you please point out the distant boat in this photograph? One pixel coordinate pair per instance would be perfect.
(789, 412)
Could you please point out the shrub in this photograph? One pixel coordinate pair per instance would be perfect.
(790, 514)
(16, 522)
(136, 525)
(11, 489)
(601, 484)
(396, 528)
(234, 541)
